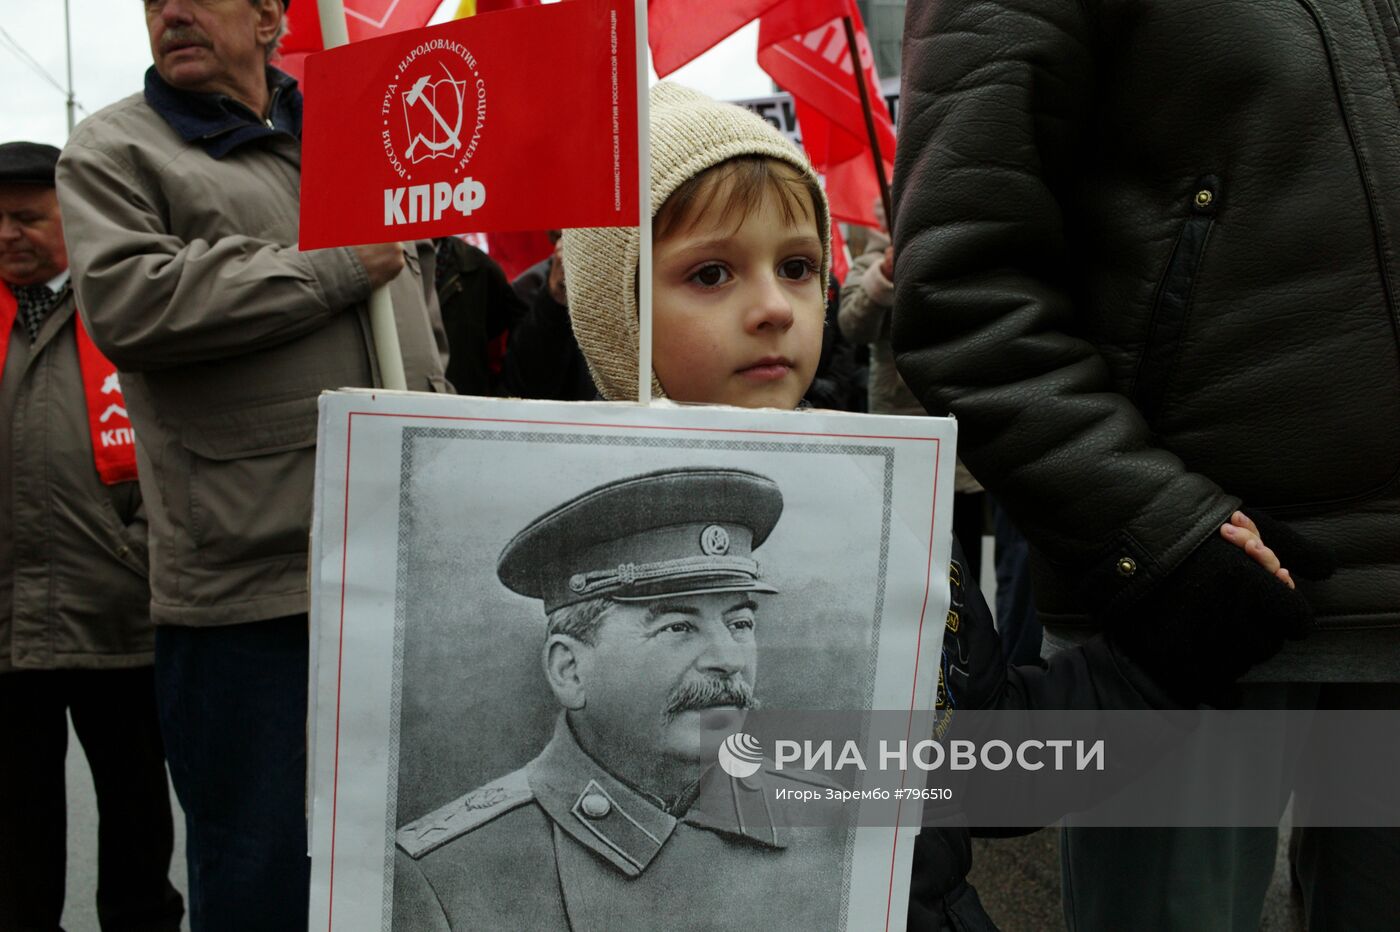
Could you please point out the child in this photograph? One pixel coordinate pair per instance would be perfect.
(741, 258)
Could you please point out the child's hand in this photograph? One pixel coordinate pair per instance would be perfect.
(1243, 533)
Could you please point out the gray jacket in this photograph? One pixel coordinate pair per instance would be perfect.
(225, 333)
(73, 588)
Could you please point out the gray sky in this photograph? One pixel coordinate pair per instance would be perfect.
(110, 55)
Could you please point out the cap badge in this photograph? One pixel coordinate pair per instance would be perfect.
(714, 541)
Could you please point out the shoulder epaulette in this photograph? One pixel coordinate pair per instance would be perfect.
(463, 814)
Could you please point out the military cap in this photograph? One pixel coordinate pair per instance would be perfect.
(27, 163)
(669, 532)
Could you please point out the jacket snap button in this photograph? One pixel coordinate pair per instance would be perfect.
(1127, 566)
(1204, 197)
(596, 805)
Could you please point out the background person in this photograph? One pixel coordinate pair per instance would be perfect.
(75, 628)
(181, 211)
(1152, 294)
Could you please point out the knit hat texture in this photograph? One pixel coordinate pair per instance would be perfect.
(689, 134)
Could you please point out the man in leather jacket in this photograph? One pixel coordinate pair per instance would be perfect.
(1145, 254)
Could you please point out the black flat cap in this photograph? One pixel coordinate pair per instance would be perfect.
(666, 533)
(27, 163)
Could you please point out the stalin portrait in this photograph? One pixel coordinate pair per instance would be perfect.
(653, 607)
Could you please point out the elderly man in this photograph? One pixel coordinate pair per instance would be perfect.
(75, 629)
(181, 209)
(649, 585)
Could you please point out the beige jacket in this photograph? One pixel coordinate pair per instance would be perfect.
(225, 333)
(72, 551)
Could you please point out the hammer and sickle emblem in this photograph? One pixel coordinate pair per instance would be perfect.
(416, 96)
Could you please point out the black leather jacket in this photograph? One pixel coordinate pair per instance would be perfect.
(1146, 253)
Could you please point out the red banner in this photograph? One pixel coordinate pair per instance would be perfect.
(679, 30)
(459, 127)
(803, 46)
(364, 19)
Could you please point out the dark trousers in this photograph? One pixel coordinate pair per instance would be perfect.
(233, 712)
(114, 716)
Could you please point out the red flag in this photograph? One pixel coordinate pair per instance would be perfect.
(840, 257)
(802, 45)
(364, 19)
(679, 30)
(516, 252)
(457, 127)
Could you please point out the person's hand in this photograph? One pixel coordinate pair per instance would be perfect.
(382, 261)
(555, 284)
(887, 264)
(1244, 534)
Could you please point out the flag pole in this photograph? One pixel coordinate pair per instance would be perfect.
(643, 210)
(381, 306)
(858, 69)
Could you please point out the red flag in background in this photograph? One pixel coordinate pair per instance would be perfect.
(802, 45)
(679, 30)
(364, 19)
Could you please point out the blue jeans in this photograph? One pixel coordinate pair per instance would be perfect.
(232, 704)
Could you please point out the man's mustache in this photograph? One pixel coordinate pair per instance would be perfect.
(694, 695)
(182, 35)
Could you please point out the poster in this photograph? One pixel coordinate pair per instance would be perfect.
(482, 761)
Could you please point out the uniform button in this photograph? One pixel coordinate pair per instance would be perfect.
(1204, 197)
(1127, 566)
(595, 805)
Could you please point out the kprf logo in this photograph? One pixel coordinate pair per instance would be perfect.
(431, 123)
(740, 755)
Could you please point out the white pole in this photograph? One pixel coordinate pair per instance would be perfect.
(381, 308)
(643, 211)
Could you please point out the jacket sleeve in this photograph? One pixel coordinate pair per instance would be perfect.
(861, 318)
(153, 300)
(985, 326)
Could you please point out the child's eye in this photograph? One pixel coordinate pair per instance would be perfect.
(798, 268)
(710, 276)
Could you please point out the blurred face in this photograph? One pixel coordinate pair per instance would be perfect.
(659, 672)
(212, 46)
(31, 235)
(738, 312)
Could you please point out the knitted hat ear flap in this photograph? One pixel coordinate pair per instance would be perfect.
(690, 133)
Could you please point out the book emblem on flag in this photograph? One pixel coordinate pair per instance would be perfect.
(434, 108)
(427, 107)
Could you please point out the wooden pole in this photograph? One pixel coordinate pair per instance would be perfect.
(381, 306)
(859, 71)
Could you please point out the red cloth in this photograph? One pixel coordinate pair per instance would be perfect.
(516, 252)
(679, 30)
(364, 19)
(113, 443)
(802, 45)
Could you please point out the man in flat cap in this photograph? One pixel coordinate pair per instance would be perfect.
(181, 205)
(650, 588)
(75, 628)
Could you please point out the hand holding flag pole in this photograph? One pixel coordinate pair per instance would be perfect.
(381, 306)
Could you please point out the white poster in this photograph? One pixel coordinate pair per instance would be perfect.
(524, 611)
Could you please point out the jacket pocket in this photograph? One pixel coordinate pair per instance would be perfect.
(1172, 303)
(251, 482)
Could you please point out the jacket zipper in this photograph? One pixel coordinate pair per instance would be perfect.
(1171, 306)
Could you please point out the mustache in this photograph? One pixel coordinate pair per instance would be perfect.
(182, 35)
(694, 695)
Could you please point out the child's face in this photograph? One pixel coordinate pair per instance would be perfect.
(738, 314)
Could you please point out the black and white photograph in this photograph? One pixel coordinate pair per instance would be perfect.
(575, 608)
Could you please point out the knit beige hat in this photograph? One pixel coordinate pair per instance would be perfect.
(689, 133)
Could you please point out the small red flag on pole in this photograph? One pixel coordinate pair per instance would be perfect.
(445, 130)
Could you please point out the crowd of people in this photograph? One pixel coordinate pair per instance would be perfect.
(1169, 338)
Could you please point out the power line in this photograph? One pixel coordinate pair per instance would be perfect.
(33, 64)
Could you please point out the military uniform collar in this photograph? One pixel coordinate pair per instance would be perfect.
(628, 828)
